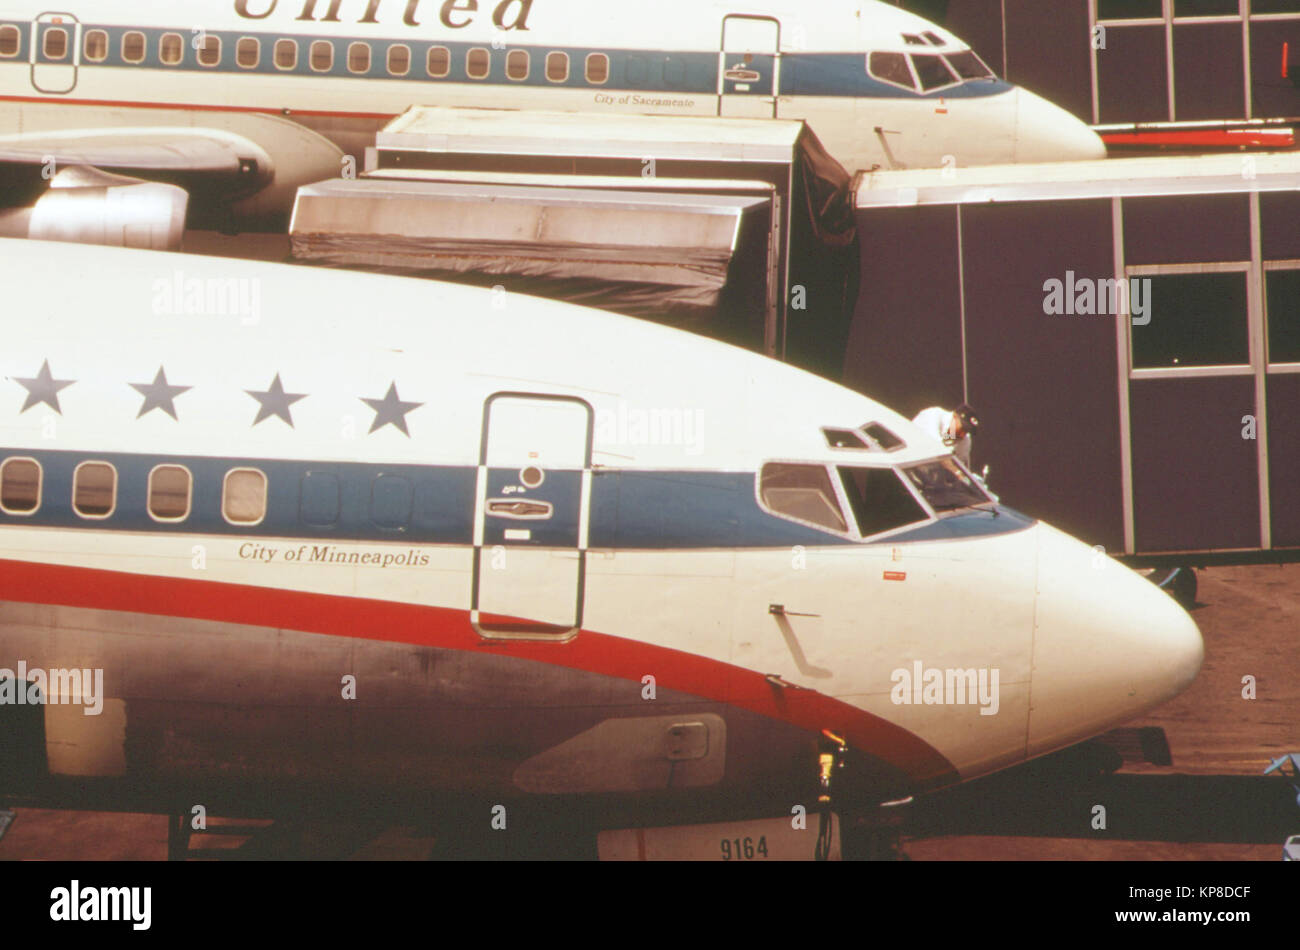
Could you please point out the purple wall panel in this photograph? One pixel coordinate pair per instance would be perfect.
(1044, 385)
(1195, 479)
(1186, 230)
(1048, 52)
(1283, 391)
(905, 342)
(1132, 79)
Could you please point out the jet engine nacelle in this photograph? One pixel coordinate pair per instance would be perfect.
(90, 206)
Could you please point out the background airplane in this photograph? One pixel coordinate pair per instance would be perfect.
(334, 536)
(243, 101)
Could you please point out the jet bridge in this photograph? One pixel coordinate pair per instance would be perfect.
(735, 228)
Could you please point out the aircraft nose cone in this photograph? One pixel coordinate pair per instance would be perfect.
(1108, 644)
(1047, 133)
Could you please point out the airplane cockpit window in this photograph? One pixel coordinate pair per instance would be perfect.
(844, 439)
(20, 486)
(891, 68)
(9, 40)
(968, 66)
(911, 39)
(801, 492)
(883, 437)
(879, 499)
(934, 38)
(945, 485)
(933, 72)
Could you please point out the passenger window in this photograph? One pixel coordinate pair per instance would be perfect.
(557, 67)
(243, 496)
(322, 56)
(171, 49)
(20, 486)
(891, 68)
(399, 59)
(390, 501)
(133, 46)
(517, 62)
(478, 62)
(210, 51)
(319, 504)
(438, 63)
(170, 487)
(96, 46)
(801, 492)
(359, 58)
(56, 43)
(94, 489)
(597, 68)
(10, 40)
(879, 500)
(248, 52)
(933, 72)
(286, 54)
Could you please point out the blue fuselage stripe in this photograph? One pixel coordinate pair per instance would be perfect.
(679, 72)
(434, 504)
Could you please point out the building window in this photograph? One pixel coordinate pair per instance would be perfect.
(557, 67)
(1130, 10)
(286, 54)
(1282, 302)
(20, 486)
(517, 62)
(1193, 319)
(359, 57)
(478, 62)
(597, 68)
(399, 59)
(96, 46)
(133, 46)
(170, 488)
(11, 40)
(438, 63)
(802, 493)
(210, 51)
(243, 496)
(94, 489)
(171, 49)
(1186, 8)
(55, 43)
(322, 56)
(248, 52)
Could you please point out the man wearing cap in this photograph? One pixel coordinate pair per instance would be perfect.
(953, 428)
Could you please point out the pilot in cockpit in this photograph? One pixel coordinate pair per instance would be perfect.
(953, 428)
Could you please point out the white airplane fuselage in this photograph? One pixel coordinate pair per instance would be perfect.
(268, 69)
(321, 529)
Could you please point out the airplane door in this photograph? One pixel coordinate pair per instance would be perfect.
(530, 531)
(55, 52)
(749, 67)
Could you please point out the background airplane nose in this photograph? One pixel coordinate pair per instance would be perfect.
(1047, 133)
(1108, 644)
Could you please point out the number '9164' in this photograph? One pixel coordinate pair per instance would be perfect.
(743, 849)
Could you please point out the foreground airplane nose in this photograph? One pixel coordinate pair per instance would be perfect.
(1047, 133)
(1108, 645)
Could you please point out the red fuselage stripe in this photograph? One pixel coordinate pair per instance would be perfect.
(450, 629)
